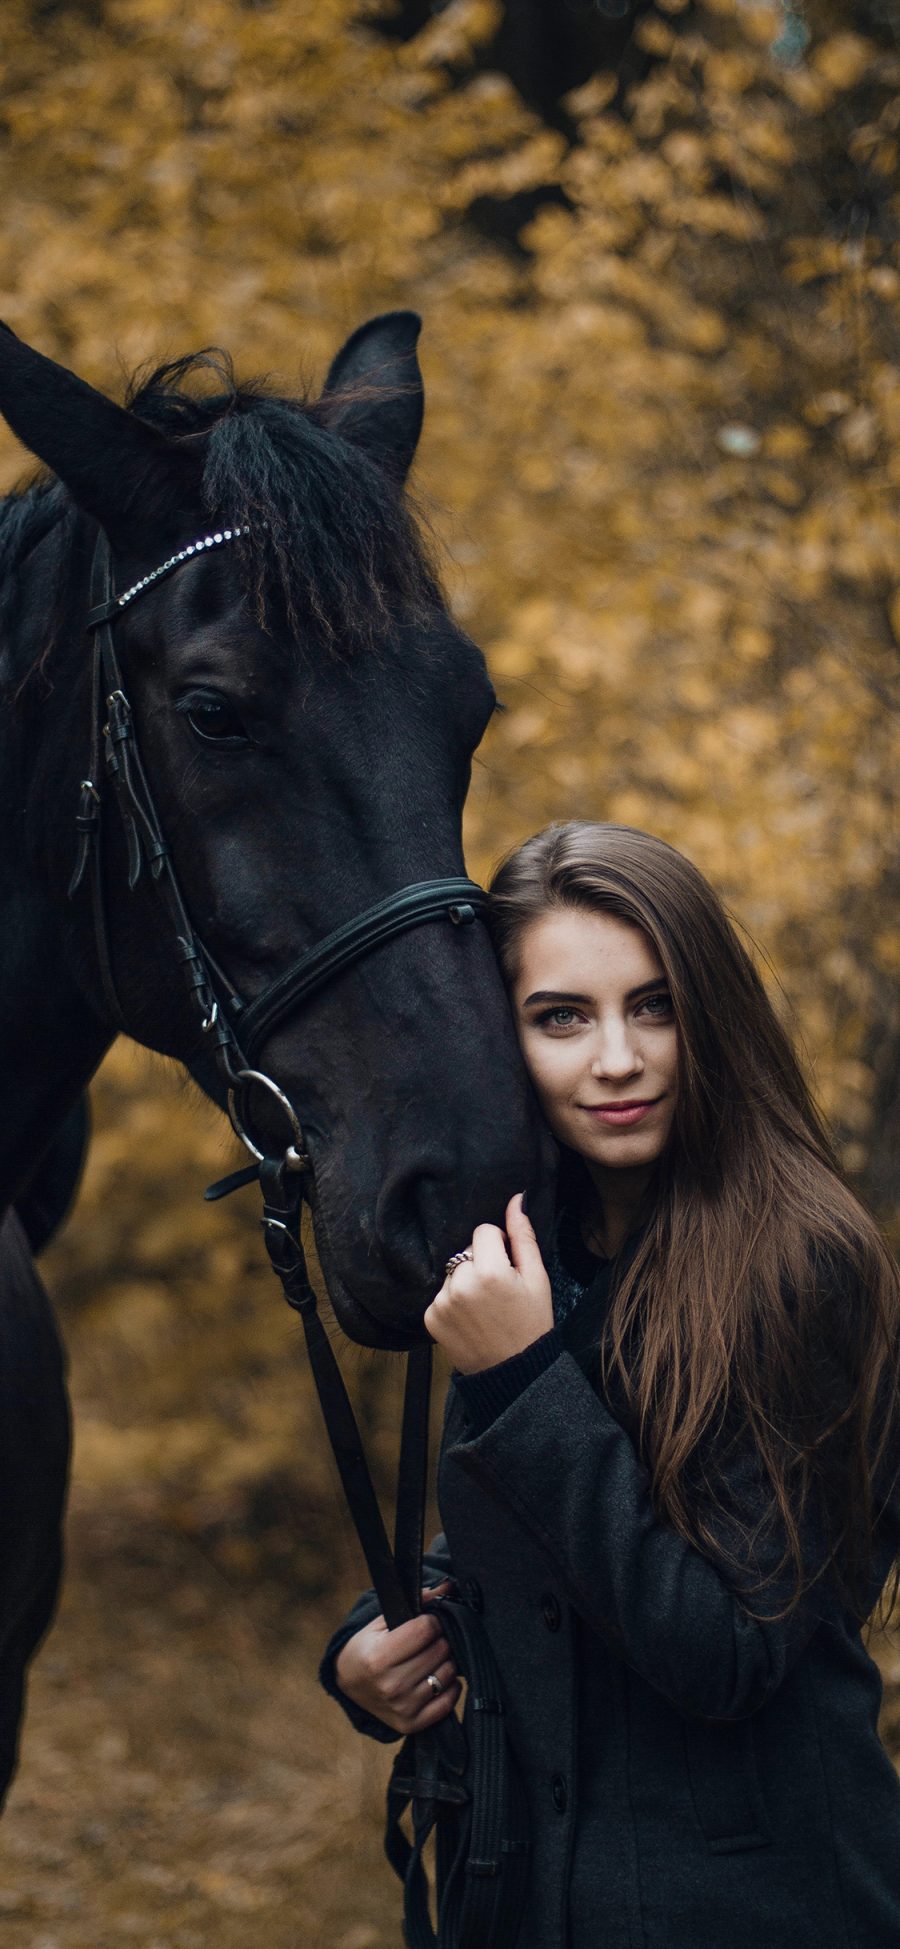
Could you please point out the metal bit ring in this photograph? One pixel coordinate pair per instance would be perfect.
(296, 1157)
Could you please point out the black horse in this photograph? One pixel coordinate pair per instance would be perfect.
(306, 713)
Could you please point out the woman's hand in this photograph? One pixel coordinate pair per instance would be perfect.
(385, 1671)
(499, 1302)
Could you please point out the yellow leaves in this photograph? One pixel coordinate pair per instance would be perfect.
(687, 155)
(886, 950)
(688, 635)
(827, 406)
(122, 1459)
(697, 689)
(786, 440)
(750, 643)
(655, 36)
(843, 60)
(701, 609)
(858, 434)
(644, 178)
(232, 1892)
(753, 729)
(533, 162)
(783, 487)
(452, 37)
(730, 71)
(883, 280)
(870, 145)
(592, 97)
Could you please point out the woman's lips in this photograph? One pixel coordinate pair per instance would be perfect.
(620, 1116)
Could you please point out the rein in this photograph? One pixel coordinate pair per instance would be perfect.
(237, 1028)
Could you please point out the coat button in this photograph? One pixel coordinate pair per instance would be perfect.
(559, 1792)
(473, 1594)
(550, 1611)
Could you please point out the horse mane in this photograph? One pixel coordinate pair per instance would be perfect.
(333, 550)
(274, 466)
(38, 508)
(26, 516)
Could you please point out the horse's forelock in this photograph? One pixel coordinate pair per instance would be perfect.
(332, 550)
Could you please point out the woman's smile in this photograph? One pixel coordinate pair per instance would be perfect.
(621, 1115)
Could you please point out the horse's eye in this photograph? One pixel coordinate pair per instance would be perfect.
(213, 718)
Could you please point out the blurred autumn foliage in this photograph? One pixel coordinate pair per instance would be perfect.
(662, 447)
(663, 433)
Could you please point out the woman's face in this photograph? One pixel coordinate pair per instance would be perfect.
(598, 1035)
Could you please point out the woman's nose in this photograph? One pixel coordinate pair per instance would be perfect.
(616, 1055)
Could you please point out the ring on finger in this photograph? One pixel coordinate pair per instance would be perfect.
(434, 1683)
(457, 1259)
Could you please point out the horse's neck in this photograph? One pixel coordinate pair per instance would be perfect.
(50, 1040)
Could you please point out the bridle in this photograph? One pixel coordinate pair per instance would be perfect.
(236, 1030)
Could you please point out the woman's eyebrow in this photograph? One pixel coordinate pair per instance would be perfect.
(584, 1001)
(555, 995)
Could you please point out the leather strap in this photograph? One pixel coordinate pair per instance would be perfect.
(455, 900)
(412, 1480)
(479, 1816)
(282, 1194)
(89, 855)
(143, 833)
(396, 1576)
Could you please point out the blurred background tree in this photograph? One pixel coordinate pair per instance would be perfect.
(657, 251)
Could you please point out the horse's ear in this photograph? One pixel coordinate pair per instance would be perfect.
(374, 395)
(108, 459)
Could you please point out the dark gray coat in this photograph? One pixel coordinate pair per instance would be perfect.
(697, 1780)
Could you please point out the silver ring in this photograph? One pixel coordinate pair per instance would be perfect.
(434, 1683)
(459, 1258)
(295, 1157)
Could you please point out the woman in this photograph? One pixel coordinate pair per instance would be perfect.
(669, 1474)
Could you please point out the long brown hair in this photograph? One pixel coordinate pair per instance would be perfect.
(761, 1299)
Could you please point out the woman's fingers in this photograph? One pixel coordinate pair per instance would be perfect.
(397, 1660)
(405, 1640)
(489, 1253)
(446, 1674)
(416, 1670)
(400, 1679)
(408, 1689)
(524, 1249)
(387, 1671)
(437, 1707)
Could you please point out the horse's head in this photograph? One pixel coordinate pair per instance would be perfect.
(306, 713)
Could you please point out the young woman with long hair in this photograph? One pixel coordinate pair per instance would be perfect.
(670, 1473)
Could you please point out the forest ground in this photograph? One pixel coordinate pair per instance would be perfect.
(184, 1781)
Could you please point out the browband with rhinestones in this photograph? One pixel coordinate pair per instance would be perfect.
(104, 611)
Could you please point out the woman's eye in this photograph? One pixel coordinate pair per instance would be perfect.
(213, 718)
(658, 1004)
(557, 1018)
